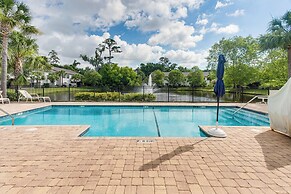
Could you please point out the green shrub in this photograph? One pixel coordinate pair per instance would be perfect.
(114, 96)
(132, 97)
(12, 96)
(136, 97)
(107, 96)
(84, 96)
(149, 97)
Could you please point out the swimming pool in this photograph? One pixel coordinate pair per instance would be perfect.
(138, 121)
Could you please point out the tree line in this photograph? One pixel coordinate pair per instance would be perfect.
(247, 64)
(259, 61)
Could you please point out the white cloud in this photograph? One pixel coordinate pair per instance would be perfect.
(202, 20)
(220, 4)
(177, 35)
(134, 54)
(181, 12)
(237, 13)
(114, 10)
(229, 29)
(70, 47)
(187, 58)
(69, 27)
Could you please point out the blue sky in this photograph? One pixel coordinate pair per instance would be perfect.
(182, 30)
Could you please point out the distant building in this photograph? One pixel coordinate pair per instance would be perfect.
(62, 81)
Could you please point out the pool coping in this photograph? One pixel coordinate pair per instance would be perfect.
(133, 105)
(87, 127)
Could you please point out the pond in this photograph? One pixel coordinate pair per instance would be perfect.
(199, 96)
(163, 95)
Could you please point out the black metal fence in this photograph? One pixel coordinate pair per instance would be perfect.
(186, 94)
(165, 94)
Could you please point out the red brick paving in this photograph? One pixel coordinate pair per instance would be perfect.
(53, 159)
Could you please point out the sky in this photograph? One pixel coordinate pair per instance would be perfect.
(181, 30)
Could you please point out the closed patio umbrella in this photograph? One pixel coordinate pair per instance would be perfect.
(219, 91)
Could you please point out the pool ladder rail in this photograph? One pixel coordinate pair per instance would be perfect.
(244, 105)
(7, 113)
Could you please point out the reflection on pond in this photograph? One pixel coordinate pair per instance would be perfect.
(199, 96)
(61, 96)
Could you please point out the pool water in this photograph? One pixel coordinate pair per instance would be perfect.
(138, 121)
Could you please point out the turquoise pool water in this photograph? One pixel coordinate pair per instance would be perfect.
(134, 121)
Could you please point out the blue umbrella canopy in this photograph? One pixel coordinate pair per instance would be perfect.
(219, 88)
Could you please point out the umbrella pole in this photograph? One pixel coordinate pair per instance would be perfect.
(217, 112)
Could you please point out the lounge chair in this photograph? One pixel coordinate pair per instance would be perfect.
(27, 96)
(3, 100)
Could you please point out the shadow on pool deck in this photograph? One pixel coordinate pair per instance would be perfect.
(179, 150)
(276, 149)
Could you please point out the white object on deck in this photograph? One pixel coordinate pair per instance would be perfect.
(216, 132)
(279, 109)
(263, 98)
(3, 100)
(27, 96)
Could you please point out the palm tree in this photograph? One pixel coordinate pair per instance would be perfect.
(37, 75)
(62, 74)
(21, 47)
(75, 64)
(12, 15)
(38, 63)
(53, 77)
(279, 36)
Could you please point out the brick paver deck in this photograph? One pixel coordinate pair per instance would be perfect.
(53, 159)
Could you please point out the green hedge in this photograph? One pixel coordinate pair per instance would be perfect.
(12, 96)
(114, 96)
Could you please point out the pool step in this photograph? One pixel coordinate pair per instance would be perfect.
(247, 117)
(262, 118)
(244, 113)
(251, 118)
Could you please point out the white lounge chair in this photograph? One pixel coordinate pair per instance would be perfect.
(3, 100)
(263, 98)
(27, 96)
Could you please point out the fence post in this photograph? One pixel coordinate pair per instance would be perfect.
(69, 93)
(168, 93)
(143, 93)
(94, 90)
(119, 92)
(193, 94)
(17, 93)
(242, 94)
(42, 90)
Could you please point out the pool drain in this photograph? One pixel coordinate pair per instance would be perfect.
(145, 141)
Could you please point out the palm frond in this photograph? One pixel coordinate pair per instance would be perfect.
(6, 6)
(275, 25)
(23, 14)
(287, 20)
(28, 30)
